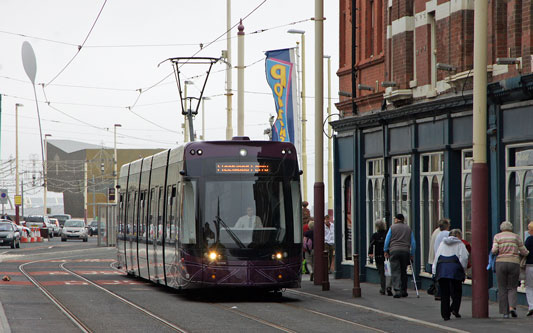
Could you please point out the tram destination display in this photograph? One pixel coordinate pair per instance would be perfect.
(242, 168)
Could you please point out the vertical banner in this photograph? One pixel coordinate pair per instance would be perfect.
(281, 78)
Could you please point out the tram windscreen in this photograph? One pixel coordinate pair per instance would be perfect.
(247, 213)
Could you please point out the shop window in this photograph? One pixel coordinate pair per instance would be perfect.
(401, 180)
(432, 196)
(375, 194)
(519, 171)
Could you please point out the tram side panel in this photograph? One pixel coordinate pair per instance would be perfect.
(121, 232)
(172, 211)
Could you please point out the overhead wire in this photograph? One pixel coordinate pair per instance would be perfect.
(80, 46)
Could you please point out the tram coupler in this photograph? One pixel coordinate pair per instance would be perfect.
(325, 280)
(356, 291)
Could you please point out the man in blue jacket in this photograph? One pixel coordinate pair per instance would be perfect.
(400, 247)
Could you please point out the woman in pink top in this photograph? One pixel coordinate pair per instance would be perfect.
(508, 247)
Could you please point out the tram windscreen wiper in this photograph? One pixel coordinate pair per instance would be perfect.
(219, 221)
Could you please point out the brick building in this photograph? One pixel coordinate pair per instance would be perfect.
(404, 140)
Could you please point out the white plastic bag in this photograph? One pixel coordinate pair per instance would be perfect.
(387, 268)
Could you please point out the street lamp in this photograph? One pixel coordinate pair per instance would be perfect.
(185, 123)
(203, 115)
(330, 153)
(115, 162)
(304, 120)
(45, 170)
(17, 192)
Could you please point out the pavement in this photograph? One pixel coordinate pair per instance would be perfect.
(420, 310)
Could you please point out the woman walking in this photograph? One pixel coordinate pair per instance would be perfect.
(449, 268)
(507, 246)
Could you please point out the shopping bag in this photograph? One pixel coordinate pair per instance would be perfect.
(387, 268)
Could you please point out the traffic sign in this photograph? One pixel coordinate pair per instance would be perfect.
(111, 194)
(18, 200)
(3, 196)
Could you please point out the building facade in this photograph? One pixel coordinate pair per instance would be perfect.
(404, 140)
(72, 166)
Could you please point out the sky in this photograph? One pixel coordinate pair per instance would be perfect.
(118, 77)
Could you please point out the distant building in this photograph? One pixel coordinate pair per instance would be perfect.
(404, 140)
(66, 172)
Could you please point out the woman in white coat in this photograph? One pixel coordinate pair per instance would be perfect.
(449, 268)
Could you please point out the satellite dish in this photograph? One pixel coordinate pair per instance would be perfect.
(29, 62)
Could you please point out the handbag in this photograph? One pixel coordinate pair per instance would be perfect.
(387, 268)
(432, 289)
(523, 261)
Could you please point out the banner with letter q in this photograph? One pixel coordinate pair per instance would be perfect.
(281, 77)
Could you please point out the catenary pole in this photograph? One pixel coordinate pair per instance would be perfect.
(240, 83)
(480, 304)
(319, 143)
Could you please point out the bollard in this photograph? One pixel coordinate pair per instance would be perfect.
(325, 280)
(356, 292)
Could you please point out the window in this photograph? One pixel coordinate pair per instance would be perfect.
(467, 194)
(432, 197)
(347, 217)
(297, 211)
(188, 222)
(519, 172)
(401, 180)
(375, 194)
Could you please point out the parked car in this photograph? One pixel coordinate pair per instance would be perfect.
(55, 225)
(9, 235)
(74, 229)
(61, 218)
(40, 221)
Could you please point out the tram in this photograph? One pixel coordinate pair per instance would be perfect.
(213, 214)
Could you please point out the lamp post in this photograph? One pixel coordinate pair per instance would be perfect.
(229, 93)
(203, 116)
(115, 163)
(185, 122)
(45, 170)
(17, 192)
(330, 151)
(304, 119)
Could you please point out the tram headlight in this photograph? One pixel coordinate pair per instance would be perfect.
(213, 256)
(243, 152)
(277, 255)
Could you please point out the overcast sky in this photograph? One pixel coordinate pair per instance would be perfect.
(100, 87)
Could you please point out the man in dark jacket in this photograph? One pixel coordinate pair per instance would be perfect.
(375, 251)
(400, 246)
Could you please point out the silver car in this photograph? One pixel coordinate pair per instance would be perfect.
(74, 229)
(9, 235)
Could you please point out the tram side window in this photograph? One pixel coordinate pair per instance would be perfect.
(171, 219)
(121, 216)
(296, 211)
(131, 204)
(153, 216)
(188, 225)
(161, 202)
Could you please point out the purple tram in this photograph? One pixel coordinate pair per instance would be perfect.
(213, 214)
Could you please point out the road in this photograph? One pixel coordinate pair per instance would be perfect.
(74, 286)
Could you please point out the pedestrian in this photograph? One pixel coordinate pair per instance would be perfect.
(306, 214)
(529, 269)
(309, 250)
(400, 246)
(449, 269)
(507, 246)
(444, 227)
(375, 252)
(329, 242)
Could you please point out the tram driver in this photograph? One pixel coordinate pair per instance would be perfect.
(249, 221)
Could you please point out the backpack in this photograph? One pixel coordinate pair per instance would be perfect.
(308, 244)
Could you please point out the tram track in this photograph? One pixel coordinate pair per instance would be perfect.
(76, 320)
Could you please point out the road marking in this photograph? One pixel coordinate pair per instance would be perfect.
(413, 320)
